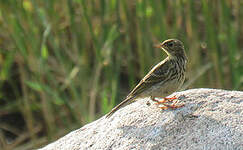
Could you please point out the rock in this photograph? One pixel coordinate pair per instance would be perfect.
(210, 119)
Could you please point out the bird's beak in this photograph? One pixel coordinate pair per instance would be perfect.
(161, 45)
(158, 45)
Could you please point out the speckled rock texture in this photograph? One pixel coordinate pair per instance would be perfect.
(210, 119)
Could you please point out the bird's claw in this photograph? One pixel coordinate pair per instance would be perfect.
(166, 100)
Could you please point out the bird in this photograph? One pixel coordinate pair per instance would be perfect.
(163, 79)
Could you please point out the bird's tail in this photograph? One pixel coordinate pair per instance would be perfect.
(124, 103)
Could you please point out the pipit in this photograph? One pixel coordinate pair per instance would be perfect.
(164, 79)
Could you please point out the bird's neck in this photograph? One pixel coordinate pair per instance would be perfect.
(180, 57)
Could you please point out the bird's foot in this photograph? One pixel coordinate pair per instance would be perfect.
(164, 100)
(170, 99)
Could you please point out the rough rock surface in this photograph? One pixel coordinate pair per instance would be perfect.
(210, 119)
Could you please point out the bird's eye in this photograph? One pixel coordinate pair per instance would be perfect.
(170, 44)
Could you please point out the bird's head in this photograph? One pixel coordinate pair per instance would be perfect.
(172, 47)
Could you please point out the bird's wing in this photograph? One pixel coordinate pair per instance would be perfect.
(161, 72)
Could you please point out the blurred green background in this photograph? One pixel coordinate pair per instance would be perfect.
(64, 63)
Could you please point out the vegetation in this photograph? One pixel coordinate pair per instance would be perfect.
(64, 63)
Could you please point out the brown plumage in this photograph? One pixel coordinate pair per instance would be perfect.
(164, 79)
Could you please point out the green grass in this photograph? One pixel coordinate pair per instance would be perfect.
(64, 63)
